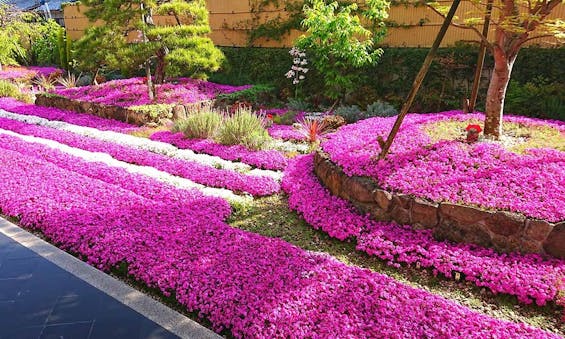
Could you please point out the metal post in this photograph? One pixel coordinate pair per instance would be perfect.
(385, 146)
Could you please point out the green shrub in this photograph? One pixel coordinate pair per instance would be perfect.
(286, 119)
(380, 109)
(245, 128)
(536, 98)
(155, 111)
(351, 113)
(257, 94)
(8, 89)
(200, 124)
(298, 105)
(447, 83)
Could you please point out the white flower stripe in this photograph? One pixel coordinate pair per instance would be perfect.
(151, 172)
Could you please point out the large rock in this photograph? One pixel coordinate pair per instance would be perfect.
(506, 223)
(359, 189)
(461, 215)
(400, 211)
(424, 214)
(555, 243)
(537, 229)
(382, 198)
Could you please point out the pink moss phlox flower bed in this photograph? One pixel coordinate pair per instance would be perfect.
(50, 113)
(133, 92)
(529, 277)
(28, 73)
(138, 184)
(285, 132)
(252, 285)
(267, 159)
(483, 174)
(206, 175)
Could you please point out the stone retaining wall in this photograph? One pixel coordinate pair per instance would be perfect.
(501, 230)
(104, 111)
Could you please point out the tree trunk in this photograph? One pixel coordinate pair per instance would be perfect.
(150, 89)
(161, 65)
(496, 93)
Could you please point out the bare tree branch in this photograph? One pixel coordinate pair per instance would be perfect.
(474, 29)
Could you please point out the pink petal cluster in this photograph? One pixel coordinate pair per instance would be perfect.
(483, 174)
(28, 73)
(71, 117)
(267, 159)
(133, 92)
(254, 286)
(202, 174)
(285, 132)
(529, 277)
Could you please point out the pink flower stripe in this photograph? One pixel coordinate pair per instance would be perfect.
(529, 277)
(206, 175)
(483, 174)
(269, 159)
(133, 92)
(252, 285)
(71, 117)
(27, 73)
(285, 132)
(137, 184)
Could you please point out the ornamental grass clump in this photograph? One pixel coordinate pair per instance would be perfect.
(8, 89)
(202, 123)
(245, 128)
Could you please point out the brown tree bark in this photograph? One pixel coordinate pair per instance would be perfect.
(161, 65)
(496, 93)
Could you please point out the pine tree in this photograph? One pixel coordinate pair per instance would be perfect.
(129, 39)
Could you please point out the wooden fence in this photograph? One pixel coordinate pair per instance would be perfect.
(231, 21)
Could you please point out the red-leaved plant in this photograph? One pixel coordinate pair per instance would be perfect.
(313, 128)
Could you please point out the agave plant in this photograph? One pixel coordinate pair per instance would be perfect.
(69, 81)
(44, 83)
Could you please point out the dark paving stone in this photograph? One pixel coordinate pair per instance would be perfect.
(21, 333)
(38, 299)
(80, 330)
(75, 308)
(20, 268)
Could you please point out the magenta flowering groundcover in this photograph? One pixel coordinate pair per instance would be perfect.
(529, 277)
(133, 92)
(286, 132)
(254, 286)
(28, 73)
(267, 159)
(202, 174)
(482, 174)
(51, 113)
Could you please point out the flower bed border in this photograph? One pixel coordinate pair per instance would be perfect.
(105, 111)
(502, 230)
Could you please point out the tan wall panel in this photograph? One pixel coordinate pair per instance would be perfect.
(230, 21)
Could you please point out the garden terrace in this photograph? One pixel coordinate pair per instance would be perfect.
(480, 193)
(127, 100)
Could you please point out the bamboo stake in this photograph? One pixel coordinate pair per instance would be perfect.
(385, 146)
(480, 60)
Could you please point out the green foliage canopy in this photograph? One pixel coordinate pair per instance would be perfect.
(128, 38)
(338, 40)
